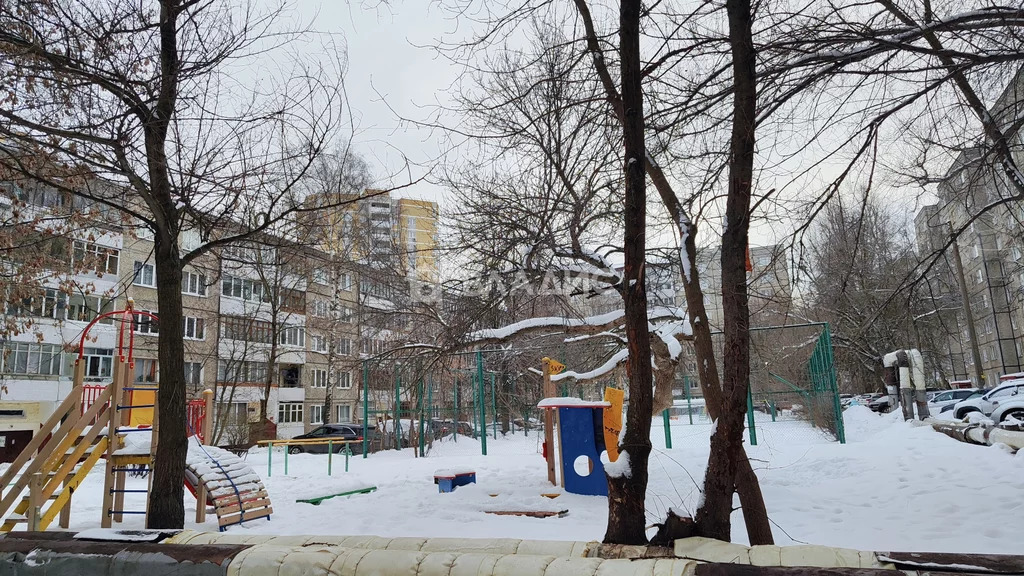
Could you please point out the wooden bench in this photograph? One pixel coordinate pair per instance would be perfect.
(449, 480)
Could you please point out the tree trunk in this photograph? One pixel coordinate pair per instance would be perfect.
(713, 517)
(755, 514)
(754, 511)
(627, 492)
(166, 504)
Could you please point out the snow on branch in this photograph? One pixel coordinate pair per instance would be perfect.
(587, 325)
(505, 332)
(602, 370)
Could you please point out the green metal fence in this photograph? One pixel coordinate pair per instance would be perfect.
(793, 391)
(461, 405)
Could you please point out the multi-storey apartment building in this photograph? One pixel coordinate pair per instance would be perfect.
(269, 325)
(972, 202)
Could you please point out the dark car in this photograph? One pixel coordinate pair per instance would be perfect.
(880, 404)
(338, 432)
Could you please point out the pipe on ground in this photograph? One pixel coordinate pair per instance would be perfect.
(983, 434)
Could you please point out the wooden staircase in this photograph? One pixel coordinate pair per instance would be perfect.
(41, 480)
(38, 486)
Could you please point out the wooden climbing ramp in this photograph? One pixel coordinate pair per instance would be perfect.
(232, 487)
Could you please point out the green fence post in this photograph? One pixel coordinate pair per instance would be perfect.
(419, 387)
(455, 417)
(348, 452)
(476, 406)
(689, 406)
(483, 403)
(398, 412)
(366, 408)
(494, 408)
(270, 457)
(772, 405)
(836, 404)
(750, 418)
(330, 453)
(285, 459)
(668, 429)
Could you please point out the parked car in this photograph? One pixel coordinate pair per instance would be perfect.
(949, 398)
(880, 404)
(978, 393)
(345, 431)
(1001, 402)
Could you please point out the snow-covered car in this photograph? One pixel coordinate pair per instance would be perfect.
(1001, 402)
(949, 397)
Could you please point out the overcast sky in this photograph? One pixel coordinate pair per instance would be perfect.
(388, 71)
(393, 73)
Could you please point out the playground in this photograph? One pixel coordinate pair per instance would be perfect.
(816, 490)
(532, 480)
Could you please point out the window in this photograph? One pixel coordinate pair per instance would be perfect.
(145, 371)
(293, 336)
(318, 344)
(320, 309)
(316, 414)
(318, 378)
(83, 308)
(984, 301)
(143, 231)
(144, 324)
(233, 413)
(193, 284)
(193, 328)
(193, 374)
(239, 371)
(292, 300)
(321, 276)
(345, 282)
(93, 257)
(345, 314)
(344, 380)
(344, 347)
(31, 358)
(978, 278)
(246, 329)
(99, 363)
(1016, 253)
(289, 412)
(49, 303)
(248, 290)
(145, 275)
(1003, 393)
(344, 413)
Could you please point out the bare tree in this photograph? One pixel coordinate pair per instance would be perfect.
(138, 96)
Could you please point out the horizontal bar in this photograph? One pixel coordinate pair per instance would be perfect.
(125, 512)
(123, 430)
(138, 406)
(113, 491)
(143, 469)
(143, 388)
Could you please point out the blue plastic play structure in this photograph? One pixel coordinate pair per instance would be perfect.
(580, 433)
(449, 480)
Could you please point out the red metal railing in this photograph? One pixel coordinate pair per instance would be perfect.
(195, 412)
(90, 392)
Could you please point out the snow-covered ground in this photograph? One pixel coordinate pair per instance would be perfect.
(894, 486)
